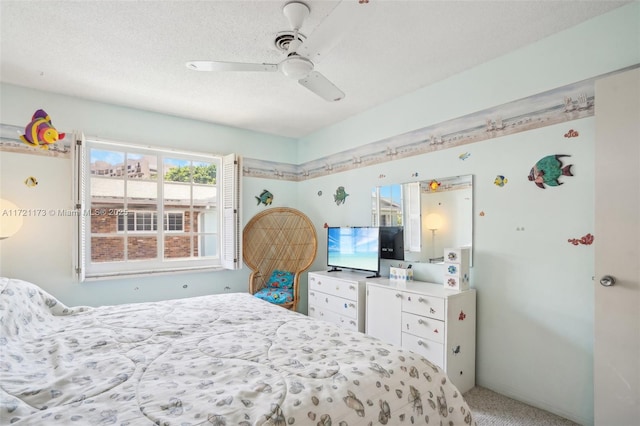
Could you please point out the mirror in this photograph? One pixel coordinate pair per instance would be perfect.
(435, 214)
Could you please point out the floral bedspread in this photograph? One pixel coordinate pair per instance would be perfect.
(228, 359)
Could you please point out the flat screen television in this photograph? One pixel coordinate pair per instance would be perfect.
(392, 242)
(354, 247)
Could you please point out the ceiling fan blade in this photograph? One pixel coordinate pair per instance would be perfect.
(345, 16)
(229, 66)
(322, 87)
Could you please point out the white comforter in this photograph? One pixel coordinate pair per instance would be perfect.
(226, 359)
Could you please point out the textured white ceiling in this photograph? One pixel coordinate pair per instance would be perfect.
(133, 53)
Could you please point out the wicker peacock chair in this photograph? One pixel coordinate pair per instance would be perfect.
(278, 239)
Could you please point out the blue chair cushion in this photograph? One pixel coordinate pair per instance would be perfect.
(280, 279)
(275, 295)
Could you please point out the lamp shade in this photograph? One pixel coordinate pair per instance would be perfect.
(10, 219)
(433, 221)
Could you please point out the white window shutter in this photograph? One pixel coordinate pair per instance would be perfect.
(79, 193)
(232, 231)
(413, 225)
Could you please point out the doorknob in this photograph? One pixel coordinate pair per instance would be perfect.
(607, 280)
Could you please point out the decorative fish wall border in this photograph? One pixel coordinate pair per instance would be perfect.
(563, 104)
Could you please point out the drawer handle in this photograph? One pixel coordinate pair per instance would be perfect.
(352, 287)
(398, 294)
(312, 308)
(421, 343)
(420, 321)
(420, 299)
(337, 288)
(352, 305)
(352, 322)
(312, 293)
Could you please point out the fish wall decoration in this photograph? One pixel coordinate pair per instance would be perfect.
(340, 196)
(586, 240)
(31, 182)
(500, 181)
(434, 185)
(548, 169)
(572, 134)
(265, 198)
(40, 131)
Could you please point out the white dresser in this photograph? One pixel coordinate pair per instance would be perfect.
(338, 297)
(428, 319)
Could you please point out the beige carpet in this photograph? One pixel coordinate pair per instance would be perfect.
(491, 408)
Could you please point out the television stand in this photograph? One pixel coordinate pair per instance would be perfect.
(334, 269)
(376, 275)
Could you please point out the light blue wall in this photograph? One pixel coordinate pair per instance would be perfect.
(535, 290)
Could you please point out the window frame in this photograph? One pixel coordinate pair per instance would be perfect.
(227, 205)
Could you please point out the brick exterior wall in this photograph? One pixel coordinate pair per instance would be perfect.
(107, 249)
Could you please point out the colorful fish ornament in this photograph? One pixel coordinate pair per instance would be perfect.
(340, 196)
(500, 181)
(548, 169)
(40, 132)
(265, 198)
(464, 156)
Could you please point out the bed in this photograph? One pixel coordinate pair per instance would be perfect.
(228, 359)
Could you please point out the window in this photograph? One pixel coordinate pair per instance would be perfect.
(145, 210)
(173, 221)
(144, 221)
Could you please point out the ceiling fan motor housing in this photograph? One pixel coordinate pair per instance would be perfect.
(296, 67)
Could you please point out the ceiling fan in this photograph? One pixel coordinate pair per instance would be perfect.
(303, 52)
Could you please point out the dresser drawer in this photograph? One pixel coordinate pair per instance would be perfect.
(429, 349)
(421, 326)
(335, 287)
(320, 312)
(348, 308)
(419, 304)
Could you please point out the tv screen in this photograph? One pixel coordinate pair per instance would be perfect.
(392, 242)
(354, 248)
